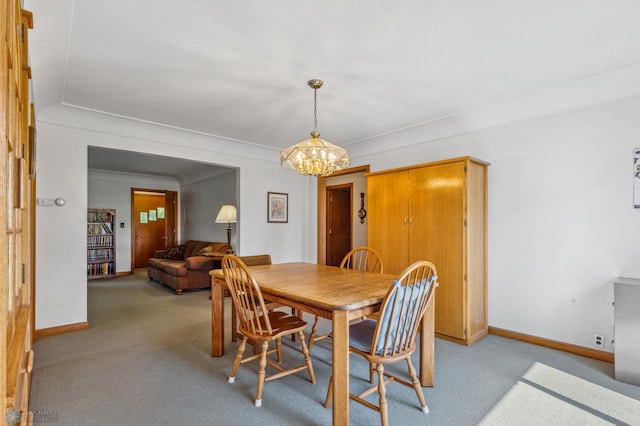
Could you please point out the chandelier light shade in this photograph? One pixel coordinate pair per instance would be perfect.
(315, 156)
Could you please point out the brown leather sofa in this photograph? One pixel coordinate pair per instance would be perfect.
(187, 266)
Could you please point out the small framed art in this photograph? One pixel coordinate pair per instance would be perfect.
(277, 207)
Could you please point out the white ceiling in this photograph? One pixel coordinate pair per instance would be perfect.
(239, 69)
(184, 171)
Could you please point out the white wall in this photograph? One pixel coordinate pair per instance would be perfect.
(61, 232)
(200, 203)
(561, 220)
(63, 137)
(110, 190)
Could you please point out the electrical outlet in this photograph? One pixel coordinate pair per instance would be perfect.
(598, 341)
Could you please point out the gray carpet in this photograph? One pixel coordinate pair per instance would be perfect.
(145, 360)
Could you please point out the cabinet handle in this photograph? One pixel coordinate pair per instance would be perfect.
(405, 220)
(411, 221)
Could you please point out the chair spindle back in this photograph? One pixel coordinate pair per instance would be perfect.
(246, 296)
(402, 309)
(363, 259)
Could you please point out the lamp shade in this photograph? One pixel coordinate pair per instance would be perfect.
(227, 214)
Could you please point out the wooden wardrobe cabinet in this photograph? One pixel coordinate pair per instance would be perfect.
(437, 212)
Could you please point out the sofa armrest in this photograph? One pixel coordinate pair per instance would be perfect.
(203, 263)
(160, 253)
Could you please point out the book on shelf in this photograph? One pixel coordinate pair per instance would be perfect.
(97, 269)
(99, 216)
(99, 228)
(101, 251)
(94, 254)
(99, 240)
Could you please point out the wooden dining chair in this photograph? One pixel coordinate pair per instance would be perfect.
(393, 337)
(363, 259)
(360, 258)
(255, 260)
(261, 325)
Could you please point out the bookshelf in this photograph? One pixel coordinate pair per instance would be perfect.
(18, 181)
(101, 244)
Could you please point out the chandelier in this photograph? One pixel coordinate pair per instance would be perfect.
(315, 156)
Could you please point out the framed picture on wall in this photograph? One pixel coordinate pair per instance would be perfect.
(277, 207)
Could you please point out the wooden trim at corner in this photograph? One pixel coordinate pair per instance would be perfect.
(321, 254)
(553, 344)
(52, 331)
(123, 274)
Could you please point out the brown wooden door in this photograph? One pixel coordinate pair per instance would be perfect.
(339, 219)
(149, 230)
(436, 234)
(388, 230)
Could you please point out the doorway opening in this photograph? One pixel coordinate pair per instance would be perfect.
(356, 177)
(339, 218)
(154, 222)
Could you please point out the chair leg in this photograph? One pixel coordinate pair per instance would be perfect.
(307, 357)
(327, 400)
(312, 335)
(382, 390)
(372, 368)
(297, 313)
(238, 360)
(234, 323)
(417, 386)
(262, 373)
(279, 349)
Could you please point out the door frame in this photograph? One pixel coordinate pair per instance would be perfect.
(329, 189)
(322, 209)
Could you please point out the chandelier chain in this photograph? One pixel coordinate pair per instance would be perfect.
(315, 109)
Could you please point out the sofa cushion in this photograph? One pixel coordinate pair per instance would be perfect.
(171, 267)
(176, 253)
(191, 245)
(215, 249)
(202, 263)
(193, 248)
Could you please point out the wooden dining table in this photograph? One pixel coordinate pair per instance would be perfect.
(338, 294)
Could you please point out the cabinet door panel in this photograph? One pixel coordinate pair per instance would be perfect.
(386, 229)
(437, 210)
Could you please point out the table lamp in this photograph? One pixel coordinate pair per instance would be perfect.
(227, 215)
